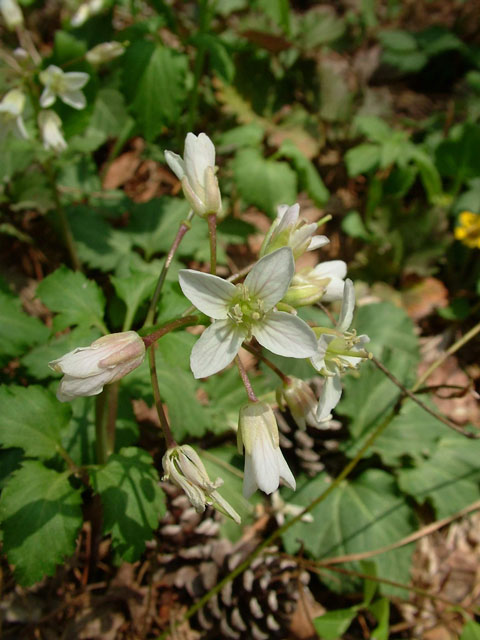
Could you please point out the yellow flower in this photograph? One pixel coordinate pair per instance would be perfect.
(468, 230)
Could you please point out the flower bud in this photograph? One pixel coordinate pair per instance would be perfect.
(105, 52)
(12, 14)
(288, 230)
(87, 369)
(85, 11)
(183, 467)
(300, 400)
(50, 125)
(264, 461)
(324, 282)
(11, 109)
(196, 171)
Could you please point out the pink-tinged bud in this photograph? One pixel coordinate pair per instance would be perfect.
(105, 52)
(88, 369)
(300, 400)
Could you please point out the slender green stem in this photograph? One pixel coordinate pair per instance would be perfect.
(450, 351)
(100, 428)
(169, 439)
(62, 218)
(212, 234)
(323, 220)
(244, 376)
(111, 417)
(175, 324)
(182, 230)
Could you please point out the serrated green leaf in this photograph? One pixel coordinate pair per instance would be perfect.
(16, 154)
(132, 500)
(309, 177)
(264, 183)
(41, 516)
(154, 82)
(360, 515)
(109, 115)
(77, 300)
(36, 361)
(449, 478)
(32, 419)
(18, 331)
(10, 460)
(134, 290)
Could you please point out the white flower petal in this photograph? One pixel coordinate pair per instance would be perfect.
(74, 99)
(334, 290)
(329, 397)
(216, 348)
(47, 98)
(20, 128)
(265, 462)
(284, 470)
(318, 359)
(286, 335)
(288, 215)
(80, 363)
(249, 480)
(71, 388)
(331, 269)
(176, 164)
(348, 307)
(270, 277)
(199, 153)
(209, 293)
(75, 80)
(317, 241)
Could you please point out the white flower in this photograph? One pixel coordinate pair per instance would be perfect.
(245, 310)
(196, 171)
(12, 14)
(87, 369)
(288, 231)
(264, 462)
(324, 282)
(105, 52)
(337, 352)
(11, 109)
(281, 509)
(85, 11)
(300, 400)
(183, 466)
(64, 85)
(50, 126)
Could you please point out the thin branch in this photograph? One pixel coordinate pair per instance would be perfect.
(406, 392)
(170, 326)
(247, 384)
(212, 234)
(258, 354)
(169, 439)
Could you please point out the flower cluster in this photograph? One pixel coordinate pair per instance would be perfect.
(257, 311)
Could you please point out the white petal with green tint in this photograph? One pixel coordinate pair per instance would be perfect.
(286, 335)
(209, 293)
(329, 397)
(176, 164)
(216, 348)
(270, 277)
(348, 307)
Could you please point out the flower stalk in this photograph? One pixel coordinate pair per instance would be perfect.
(212, 234)
(246, 382)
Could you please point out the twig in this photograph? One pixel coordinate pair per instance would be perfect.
(406, 392)
(257, 353)
(169, 439)
(212, 234)
(175, 324)
(450, 351)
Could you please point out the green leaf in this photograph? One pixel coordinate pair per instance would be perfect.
(457, 157)
(109, 115)
(18, 331)
(10, 460)
(36, 362)
(333, 624)
(31, 419)
(308, 175)
(335, 95)
(41, 515)
(449, 478)
(354, 226)
(373, 128)
(362, 158)
(318, 27)
(360, 515)
(77, 300)
(220, 59)
(16, 154)
(264, 183)
(429, 174)
(133, 291)
(245, 135)
(154, 83)
(132, 500)
(471, 631)
(381, 611)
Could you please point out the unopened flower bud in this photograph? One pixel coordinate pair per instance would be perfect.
(300, 400)
(288, 230)
(50, 126)
(85, 11)
(324, 282)
(87, 369)
(264, 462)
(183, 467)
(12, 14)
(11, 109)
(105, 52)
(196, 171)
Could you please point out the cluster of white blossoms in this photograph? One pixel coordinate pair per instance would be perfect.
(260, 309)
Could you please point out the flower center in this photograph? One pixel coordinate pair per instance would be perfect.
(245, 310)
